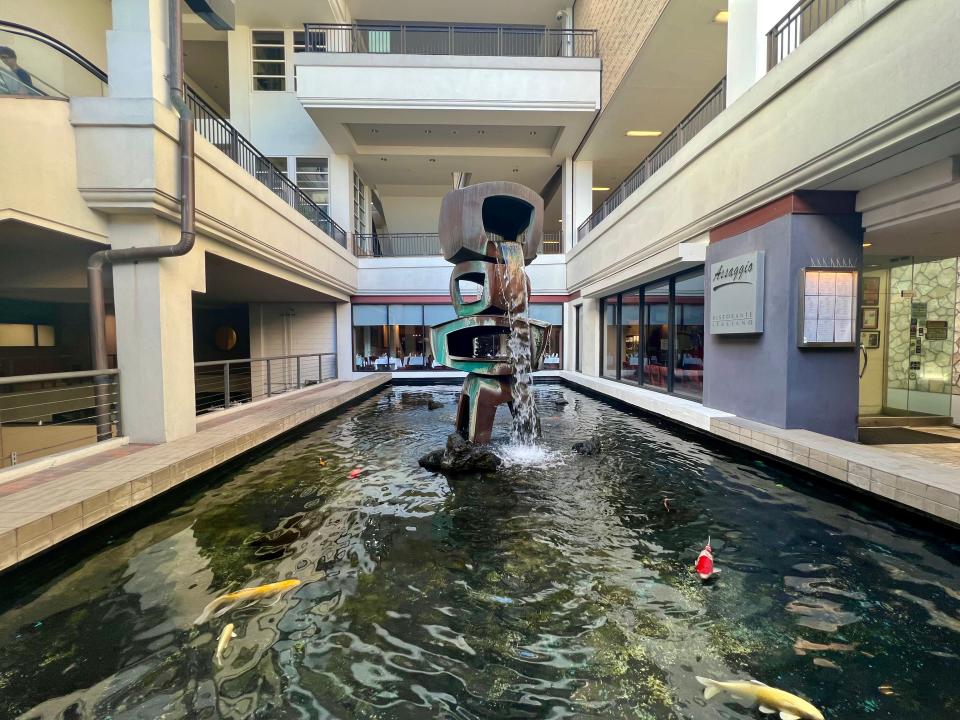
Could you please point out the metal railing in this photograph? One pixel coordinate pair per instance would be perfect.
(47, 67)
(424, 39)
(220, 384)
(797, 25)
(44, 414)
(211, 125)
(426, 245)
(697, 119)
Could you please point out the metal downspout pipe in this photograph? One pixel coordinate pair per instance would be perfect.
(98, 336)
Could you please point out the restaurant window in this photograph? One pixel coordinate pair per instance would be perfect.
(688, 335)
(553, 314)
(434, 315)
(578, 339)
(630, 336)
(656, 334)
(609, 342)
(269, 61)
(370, 337)
(407, 344)
(27, 335)
(313, 177)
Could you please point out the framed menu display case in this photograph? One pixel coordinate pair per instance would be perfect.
(827, 312)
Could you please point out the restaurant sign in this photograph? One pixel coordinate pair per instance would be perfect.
(736, 295)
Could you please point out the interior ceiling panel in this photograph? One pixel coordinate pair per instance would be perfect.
(428, 135)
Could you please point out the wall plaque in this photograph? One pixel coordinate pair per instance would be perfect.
(736, 295)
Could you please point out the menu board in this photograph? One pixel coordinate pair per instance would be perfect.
(828, 307)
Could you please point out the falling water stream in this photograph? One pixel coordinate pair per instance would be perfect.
(513, 280)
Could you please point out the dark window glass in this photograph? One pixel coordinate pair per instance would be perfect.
(608, 363)
(688, 335)
(656, 335)
(630, 336)
(578, 340)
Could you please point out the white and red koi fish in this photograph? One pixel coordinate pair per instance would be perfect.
(704, 565)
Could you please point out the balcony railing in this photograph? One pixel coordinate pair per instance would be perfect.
(49, 68)
(481, 40)
(426, 245)
(797, 25)
(228, 139)
(220, 384)
(698, 118)
(45, 414)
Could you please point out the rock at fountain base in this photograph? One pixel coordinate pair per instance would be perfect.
(587, 447)
(461, 456)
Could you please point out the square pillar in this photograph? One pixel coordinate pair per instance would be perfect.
(577, 197)
(345, 355)
(137, 58)
(765, 376)
(153, 301)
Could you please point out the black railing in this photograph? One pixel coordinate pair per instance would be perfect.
(797, 25)
(698, 118)
(426, 245)
(415, 39)
(211, 125)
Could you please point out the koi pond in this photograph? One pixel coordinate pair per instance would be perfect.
(558, 590)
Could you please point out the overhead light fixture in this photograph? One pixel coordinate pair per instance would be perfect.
(868, 244)
(600, 189)
(722, 16)
(432, 160)
(644, 133)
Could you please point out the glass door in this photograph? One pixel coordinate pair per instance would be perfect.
(921, 317)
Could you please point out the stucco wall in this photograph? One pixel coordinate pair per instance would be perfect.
(81, 24)
(622, 26)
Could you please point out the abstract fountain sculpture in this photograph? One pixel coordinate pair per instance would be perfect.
(490, 231)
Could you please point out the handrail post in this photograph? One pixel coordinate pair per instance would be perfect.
(226, 385)
(298, 372)
(403, 39)
(499, 41)
(269, 380)
(320, 368)
(450, 32)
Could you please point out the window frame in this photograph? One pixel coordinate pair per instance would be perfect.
(254, 75)
(296, 172)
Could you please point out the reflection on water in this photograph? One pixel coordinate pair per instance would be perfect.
(546, 592)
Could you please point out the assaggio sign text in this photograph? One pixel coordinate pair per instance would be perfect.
(736, 295)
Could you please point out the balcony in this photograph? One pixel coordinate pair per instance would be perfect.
(705, 111)
(426, 245)
(464, 40)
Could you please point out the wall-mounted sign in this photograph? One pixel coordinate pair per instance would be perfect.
(936, 329)
(736, 295)
(828, 298)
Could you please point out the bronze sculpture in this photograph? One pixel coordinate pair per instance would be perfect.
(491, 231)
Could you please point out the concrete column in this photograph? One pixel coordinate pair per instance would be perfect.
(154, 310)
(341, 191)
(742, 35)
(137, 50)
(577, 197)
(345, 352)
(239, 60)
(591, 337)
(765, 376)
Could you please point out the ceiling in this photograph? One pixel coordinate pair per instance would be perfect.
(285, 13)
(682, 59)
(933, 236)
(230, 282)
(454, 136)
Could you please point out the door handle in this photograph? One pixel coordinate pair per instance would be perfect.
(866, 360)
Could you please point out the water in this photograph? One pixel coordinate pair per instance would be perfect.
(562, 591)
(514, 279)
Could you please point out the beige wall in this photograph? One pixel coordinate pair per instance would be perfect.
(292, 329)
(622, 26)
(81, 24)
(411, 214)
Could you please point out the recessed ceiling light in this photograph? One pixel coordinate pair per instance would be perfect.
(374, 131)
(432, 159)
(722, 16)
(600, 189)
(427, 132)
(644, 133)
(383, 159)
(868, 244)
(516, 170)
(481, 132)
(533, 132)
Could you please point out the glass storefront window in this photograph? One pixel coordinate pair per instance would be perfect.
(688, 335)
(608, 337)
(656, 334)
(553, 314)
(434, 315)
(630, 336)
(578, 339)
(370, 337)
(407, 343)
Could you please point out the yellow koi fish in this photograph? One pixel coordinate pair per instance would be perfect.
(771, 700)
(225, 637)
(253, 593)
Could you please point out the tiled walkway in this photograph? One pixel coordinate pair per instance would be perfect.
(40, 509)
